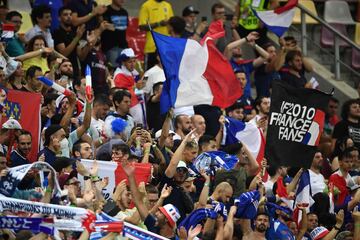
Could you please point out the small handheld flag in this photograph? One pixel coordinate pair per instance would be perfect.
(54, 85)
(88, 87)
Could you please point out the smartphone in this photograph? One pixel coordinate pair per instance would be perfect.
(204, 18)
(139, 125)
(229, 17)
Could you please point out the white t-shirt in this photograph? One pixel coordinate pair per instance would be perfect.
(154, 75)
(317, 182)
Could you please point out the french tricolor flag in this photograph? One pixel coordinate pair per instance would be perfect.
(247, 133)
(303, 195)
(279, 20)
(195, 74)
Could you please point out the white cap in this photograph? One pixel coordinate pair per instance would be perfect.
(171, 213)
(158, 133)
(12, 124)
(128, 52)
(318, 233)
(182, 164)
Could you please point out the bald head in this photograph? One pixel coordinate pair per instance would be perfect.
(198, 122)
(223, 192)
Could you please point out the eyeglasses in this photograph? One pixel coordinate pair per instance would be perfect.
(181, 170)
(220, 13)
(2, 162)
(117, 153)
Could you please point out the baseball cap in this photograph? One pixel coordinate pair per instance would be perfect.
(171, 213)
(50, 131)
(182, 164)
(318, 233)
(125, 54)
(158, 133)
(11, 124)
(189, 10)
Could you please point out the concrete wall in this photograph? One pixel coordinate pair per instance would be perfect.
(203, 6)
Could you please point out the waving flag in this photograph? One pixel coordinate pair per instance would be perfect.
(279, 20)
(116, 174)
(7, 32)
(247, 204)
(216, 30)
(247, 133)
(195, 74)
(303, 195)
(296, 122)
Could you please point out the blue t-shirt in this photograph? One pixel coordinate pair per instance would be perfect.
(17, 159)
(247, 67)
(50, 156)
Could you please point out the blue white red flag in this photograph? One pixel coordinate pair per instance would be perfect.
(195, 74)
(303, 195)
(247, 133)
(279, 20)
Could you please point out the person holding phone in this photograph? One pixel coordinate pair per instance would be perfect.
(192, 29)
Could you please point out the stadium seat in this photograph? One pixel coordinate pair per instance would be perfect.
(327, 37)
(103, 2)
(27, 23)
(357, 34)
(310, 5)
(338, 12)
(20, 5)
(355, 62)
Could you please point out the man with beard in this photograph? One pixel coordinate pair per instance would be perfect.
(66, 38)
(292, 74)
(182, 125)
(19, 155)
(261, 225)
(262, 107)
(65, 74)
(82, 150)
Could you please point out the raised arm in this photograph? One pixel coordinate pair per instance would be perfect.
(87, 118)
(143, 211)
(334, 231)
(205, 190)
(303, 224)
(249, 38)
(292, 185)
(171, 169)
(165, 128)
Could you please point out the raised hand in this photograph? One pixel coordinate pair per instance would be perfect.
(166, 191)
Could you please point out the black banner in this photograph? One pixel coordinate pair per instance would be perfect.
(296, 122)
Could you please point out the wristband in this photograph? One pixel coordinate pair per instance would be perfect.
(337, 228)
(91, 14)
(95, 178)
(48, 190)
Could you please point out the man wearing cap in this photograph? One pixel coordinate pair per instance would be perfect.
(126, 77)
(191, 30)
(164, 220)
(5, 133)
(54, 134)
(321, 233)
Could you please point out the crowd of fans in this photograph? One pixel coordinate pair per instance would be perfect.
(74, 127)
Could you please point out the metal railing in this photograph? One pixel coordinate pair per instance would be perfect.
(337, 38)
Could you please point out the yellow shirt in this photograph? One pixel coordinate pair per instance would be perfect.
(36, 61)
(152, 12)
